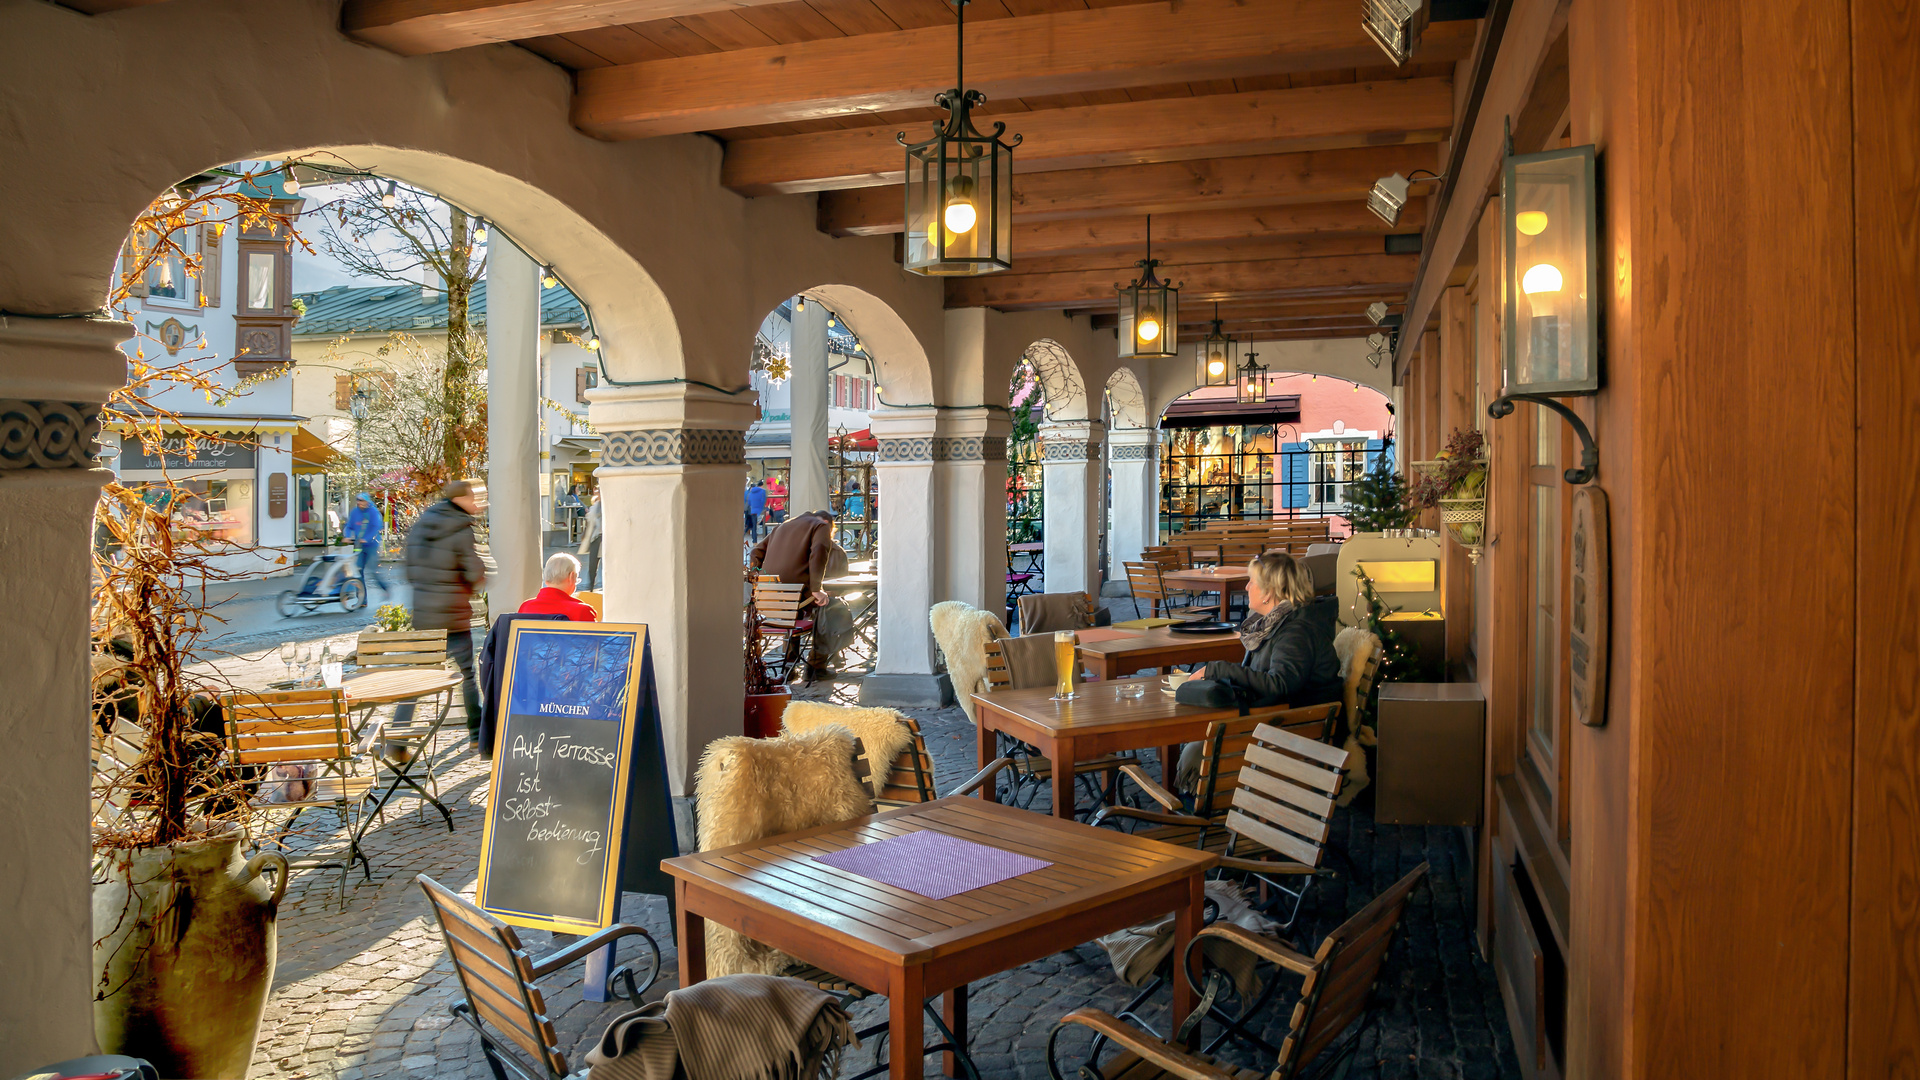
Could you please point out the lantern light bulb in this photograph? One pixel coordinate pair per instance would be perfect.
(390, 196)
(480, 232)
(1148, 328)
(593, 343)
(1542, 278)
(548, 279)
(1530, 222)
(960, 214)
(800, 304)
(292, 185)
(831, 321)
(1215, 366)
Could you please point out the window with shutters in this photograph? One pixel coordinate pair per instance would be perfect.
(209, 265)
(342, 393)
(584, 379)
(1333, 464)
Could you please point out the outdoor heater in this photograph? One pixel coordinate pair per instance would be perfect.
(1551, 344)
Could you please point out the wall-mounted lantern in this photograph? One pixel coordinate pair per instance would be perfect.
(1551, 344)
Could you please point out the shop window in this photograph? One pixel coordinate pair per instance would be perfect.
(212, 510)
(317, 520)
(1227, 473)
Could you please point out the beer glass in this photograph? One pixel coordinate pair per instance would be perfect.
(1063, 662)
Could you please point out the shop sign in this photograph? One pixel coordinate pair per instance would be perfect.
(235, 452)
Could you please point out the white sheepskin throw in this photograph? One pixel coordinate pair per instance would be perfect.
(1349, 645)
(962, 631)
(750, 789)
(883, 732)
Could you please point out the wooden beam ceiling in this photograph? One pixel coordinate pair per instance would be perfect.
(1219, 184)
(1060, 52)
(417, 27)
(1133, 132)
(1123, 263)
(1129, 234)
(1331, 276)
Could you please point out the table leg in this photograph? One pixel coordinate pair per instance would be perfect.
(954, 1012)
(1061, 754)
(1226, 602)
(986, 743)
(1186, 926)
(690, 933)
(1170, 767)
(906, 1033)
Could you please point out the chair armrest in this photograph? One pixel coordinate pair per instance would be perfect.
(1264, 947)
(1153, 790)
(1149, 1049)
(1268, 866)
(580, 949)
(1148, 815)
(983, 777)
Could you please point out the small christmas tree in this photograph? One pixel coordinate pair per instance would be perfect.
(1378, 501)
(1398, 661)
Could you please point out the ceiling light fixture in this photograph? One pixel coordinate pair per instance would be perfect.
(480, 231)
(1395, 25)
(548, 279)
(1149, 311)
(390, 196)
(959, 186)
(1389, 194)
(292, 185)
(1219, 355)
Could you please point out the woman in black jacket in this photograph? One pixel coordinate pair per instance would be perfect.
(1288, 636)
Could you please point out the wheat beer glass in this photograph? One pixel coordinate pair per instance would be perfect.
(1063, 662)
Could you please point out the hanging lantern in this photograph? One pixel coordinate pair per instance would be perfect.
(1253, 380)
(1219, 356)
(1150, 311)
(960, 187)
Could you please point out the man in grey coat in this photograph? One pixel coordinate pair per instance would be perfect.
(445, 569)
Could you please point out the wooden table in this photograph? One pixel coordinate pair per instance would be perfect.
(1097, 722)
(386, 686)
(1123, 652)
(911, 948)
(1033, 550)
(1225, 580)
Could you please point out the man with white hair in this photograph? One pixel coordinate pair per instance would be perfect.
(561, 575)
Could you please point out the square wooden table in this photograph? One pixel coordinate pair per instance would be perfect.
(1225, 580)
(910, 947)
(1115, 653)
(1099, 721)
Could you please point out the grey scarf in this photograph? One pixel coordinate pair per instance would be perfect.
(1258, 628)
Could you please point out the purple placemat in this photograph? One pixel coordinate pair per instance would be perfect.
(932, 864)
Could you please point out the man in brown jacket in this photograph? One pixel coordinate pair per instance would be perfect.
(799, 551)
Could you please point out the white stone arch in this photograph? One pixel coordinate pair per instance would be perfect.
(903, 374)
(1336, 358)
(1126, 399)
(1062, 390)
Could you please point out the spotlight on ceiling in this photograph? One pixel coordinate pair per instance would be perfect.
(1388, 197)
(1376, 311)
(1376, 342)
(1395, 25)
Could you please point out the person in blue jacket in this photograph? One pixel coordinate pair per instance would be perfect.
(364, 526)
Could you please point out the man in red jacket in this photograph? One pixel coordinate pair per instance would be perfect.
(561, 574)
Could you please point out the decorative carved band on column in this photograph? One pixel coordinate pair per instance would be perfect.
(1057, 449)
(1126, 452)
(675, 446)
(993, 448)
(48, 434)
(900, 450)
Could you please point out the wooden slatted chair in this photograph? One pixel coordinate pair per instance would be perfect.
(407, 744)
(505, 1005)
(381, 649)
(1144, 580)
(1337, 989)
(782, 632)
(307, 727)
(1027, 770)
(1085, 608)
(910, 777)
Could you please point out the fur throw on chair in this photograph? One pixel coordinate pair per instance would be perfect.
(882, 732)
(1351, 645)
(962, 632)
(750, 789)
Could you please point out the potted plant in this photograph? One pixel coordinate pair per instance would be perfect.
(767, 696)
(1456, 483)
(183, 923)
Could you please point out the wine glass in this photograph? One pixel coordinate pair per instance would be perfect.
(286, 656)
(305, 657)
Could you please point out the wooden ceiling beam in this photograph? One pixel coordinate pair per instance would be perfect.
(418, 27)
(1198, 318)
(1124, 133)
(1061, 52)
(1265, 180)
(1124, 234)
(1332, 276)
(1123, 263)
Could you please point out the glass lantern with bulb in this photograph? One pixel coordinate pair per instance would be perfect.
(960, 188)
(1150, 312)
(1218, 357)
(1253, 380)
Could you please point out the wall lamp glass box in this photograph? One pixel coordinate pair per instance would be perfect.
(1551, 220)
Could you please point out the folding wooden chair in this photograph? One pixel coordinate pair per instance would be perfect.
(407, 745)
(504, 1004)
(780, 633)
(1337, 989)
(1027, 769)
(304, 727)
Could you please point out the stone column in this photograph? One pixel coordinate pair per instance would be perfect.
(911, 561)
(970, 461)
(1072, 477)
(671, 470)
(811, 487)
(513, 427)
(54, 373)
(1133, 453)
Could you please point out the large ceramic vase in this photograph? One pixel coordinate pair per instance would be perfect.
(763, 714)
(183, 954)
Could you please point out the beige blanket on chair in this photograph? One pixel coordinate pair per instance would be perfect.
(737, 1027)
(750, 789)
(962, 632)
(882, 732)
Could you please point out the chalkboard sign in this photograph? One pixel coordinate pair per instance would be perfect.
(577, 754)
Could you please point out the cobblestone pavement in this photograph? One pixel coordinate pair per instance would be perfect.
(362, 991)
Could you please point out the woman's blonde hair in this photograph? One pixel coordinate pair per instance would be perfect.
(1282, 578)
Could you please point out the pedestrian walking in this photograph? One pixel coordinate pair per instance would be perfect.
(776, 499)
(365, 527)
(445, 569)
(756, 507)
(590, 546)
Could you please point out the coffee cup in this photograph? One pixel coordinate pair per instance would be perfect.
(1175, 678)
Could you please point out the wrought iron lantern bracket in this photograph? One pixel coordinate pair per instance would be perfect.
(1502, 407)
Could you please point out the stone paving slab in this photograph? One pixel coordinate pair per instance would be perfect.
(362, 991)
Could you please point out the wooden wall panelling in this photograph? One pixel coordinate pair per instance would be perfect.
(1433, 425)
(1456, 414)
(1884, 970)
(1742, 781)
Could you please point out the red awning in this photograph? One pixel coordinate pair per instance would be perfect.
(855, 440)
